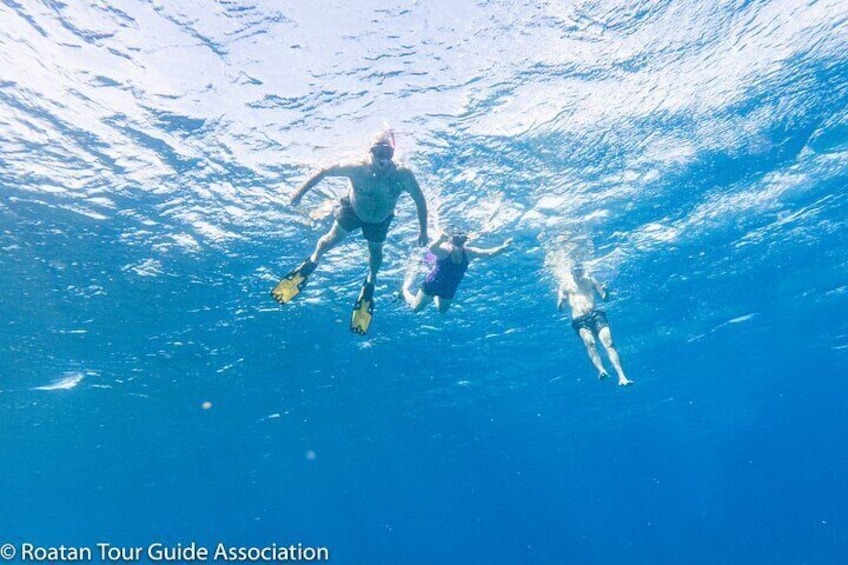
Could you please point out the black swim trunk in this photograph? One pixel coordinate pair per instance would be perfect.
(594, 321)
(347, 218)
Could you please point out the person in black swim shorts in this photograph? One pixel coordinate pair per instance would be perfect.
(589, 323)
(376, 183)
(349, 221)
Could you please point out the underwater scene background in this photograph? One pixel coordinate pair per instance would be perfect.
(692, 154)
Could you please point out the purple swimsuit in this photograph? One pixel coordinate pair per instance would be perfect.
(445, 277)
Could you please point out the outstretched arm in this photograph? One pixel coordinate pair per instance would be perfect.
(474, 252)
(600, 289)
(333, 171)
(417, 195)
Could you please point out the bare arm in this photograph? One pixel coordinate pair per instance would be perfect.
(600, 289)
(562, 295)
(414, 190)
(474, 252)
(332, 171)
(436, 247)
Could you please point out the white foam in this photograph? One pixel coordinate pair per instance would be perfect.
(67, 382)
(741, 319)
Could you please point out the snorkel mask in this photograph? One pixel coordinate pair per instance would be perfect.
(382, 148)
(457, 236)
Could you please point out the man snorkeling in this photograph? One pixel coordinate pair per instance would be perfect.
(376, 183)
(450, 258)
(589, 322)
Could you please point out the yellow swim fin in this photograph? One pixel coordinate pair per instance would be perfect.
(291, 285)
(363, 309)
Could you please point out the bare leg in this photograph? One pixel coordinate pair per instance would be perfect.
(375, 259)
(328, 241)
(606, 339)
(416, 301)
(443, 304)
(589, 342)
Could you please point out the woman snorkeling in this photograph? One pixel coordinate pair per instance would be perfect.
(449, 257)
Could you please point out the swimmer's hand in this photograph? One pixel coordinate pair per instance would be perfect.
(422, 239)
(296, 197)
(507, 243)
(605, 294)
(441, 238)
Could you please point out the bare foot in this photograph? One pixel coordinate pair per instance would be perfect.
(603, 375)
(624, 381)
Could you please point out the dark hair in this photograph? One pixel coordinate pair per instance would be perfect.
(459, 239)
(457, 235)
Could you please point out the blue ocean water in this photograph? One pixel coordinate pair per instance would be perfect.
(692, 154)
